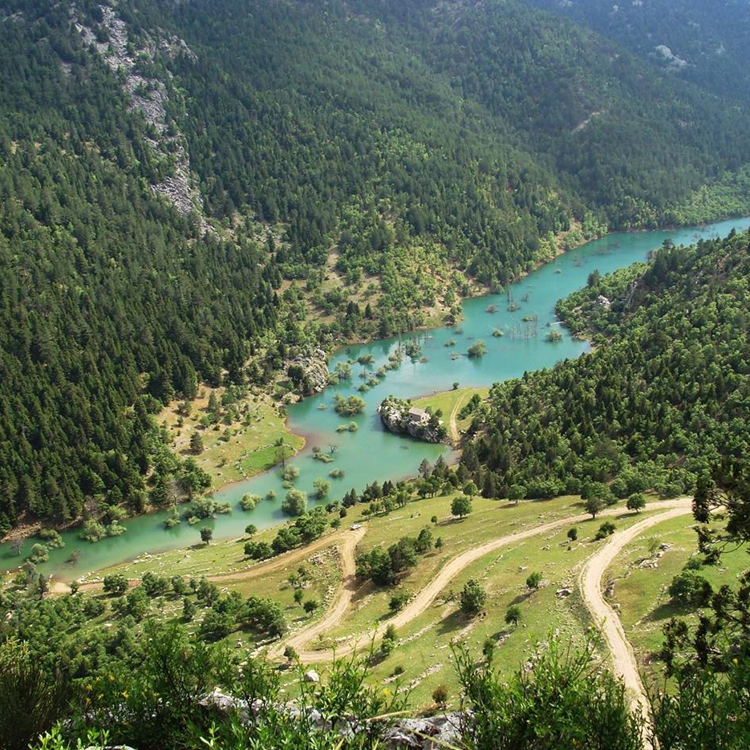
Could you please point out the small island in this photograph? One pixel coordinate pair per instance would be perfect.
(403, 417)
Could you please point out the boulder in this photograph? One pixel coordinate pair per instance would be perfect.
(402, 417)
(308, 371)
(425, 734)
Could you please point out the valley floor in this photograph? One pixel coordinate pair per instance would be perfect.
(498, 545)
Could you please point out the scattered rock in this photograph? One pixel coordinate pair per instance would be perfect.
(431, 733)
(663, 547)
(649, 564)
(563, 592)
(420, 678)
(219, 701)
(312, 676)
(434, 732)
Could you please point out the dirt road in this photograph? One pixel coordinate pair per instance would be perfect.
(590, 581)
(254, 571)
(451, 569)
(455, 436)
(341, 603)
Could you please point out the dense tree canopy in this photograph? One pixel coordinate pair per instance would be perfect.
(404, 136)
(705, 42)
(661, 400)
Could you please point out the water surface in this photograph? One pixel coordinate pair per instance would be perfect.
(371, 453)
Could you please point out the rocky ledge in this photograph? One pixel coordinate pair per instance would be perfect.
(308, 371)
(428, 733)
(404, 418)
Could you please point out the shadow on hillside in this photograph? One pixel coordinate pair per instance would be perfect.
(521, 598)
(454, 621)
(668, 610)
(364, 589)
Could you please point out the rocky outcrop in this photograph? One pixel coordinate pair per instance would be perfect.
(425, 734)
(308, 371)
(149, 96)
(429, 733)
(404, 418)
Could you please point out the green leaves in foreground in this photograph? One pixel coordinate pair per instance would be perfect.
(560, 700)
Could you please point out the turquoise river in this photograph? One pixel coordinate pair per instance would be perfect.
(372, 453)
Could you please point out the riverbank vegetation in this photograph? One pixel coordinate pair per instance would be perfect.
(655, 405)
(241, 432)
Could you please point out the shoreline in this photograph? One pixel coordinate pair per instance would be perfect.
(28, 529)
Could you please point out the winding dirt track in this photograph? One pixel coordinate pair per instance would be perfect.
(341, 603)
(451, 569)
(254, 571)
(590, 582)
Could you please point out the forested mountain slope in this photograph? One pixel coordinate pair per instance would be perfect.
(707, 43)
(629, 141)
(165, 167)
(661, 400)
(101, 282)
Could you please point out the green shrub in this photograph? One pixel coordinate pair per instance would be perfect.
(534, 580)
(690, 589)
(565, 700)
(31, 700)
(473, 598)
(605, 530)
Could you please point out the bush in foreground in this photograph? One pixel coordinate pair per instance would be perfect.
(564, 701)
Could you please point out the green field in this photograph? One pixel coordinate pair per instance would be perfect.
(423, 655)
(490, 519)
(234, 448)
(424, 647)
(641, 593)
(447, 401)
